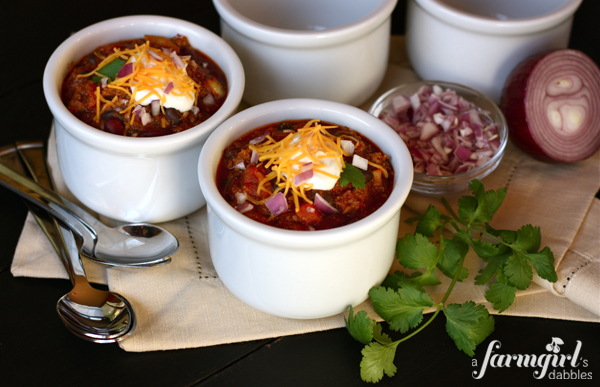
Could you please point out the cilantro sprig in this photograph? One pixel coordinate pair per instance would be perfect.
(351, 174)
(510, 258)
(110, 70)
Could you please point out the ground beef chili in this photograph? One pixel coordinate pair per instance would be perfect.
(240, 174)
(118, 116)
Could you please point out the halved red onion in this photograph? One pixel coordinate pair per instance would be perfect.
(169, 87)
(360, 162)
(323, 206)
(125, 70)
(303, 177)
(277, 204)
(155, 107)
(551, 103)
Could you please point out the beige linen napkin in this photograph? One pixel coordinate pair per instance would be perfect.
(185, 305)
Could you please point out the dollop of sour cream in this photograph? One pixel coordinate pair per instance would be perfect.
(182, 101)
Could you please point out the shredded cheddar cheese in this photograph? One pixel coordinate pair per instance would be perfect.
(152, 73)
(310, 146)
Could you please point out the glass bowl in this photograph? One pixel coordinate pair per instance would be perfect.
(439, 185)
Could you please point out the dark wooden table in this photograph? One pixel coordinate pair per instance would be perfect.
(36, 349)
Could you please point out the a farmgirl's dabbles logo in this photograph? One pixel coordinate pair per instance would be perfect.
(551, 365)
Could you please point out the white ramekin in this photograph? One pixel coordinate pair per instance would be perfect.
(135, 179)
(478, 43)
(303, 274)
(328, 49)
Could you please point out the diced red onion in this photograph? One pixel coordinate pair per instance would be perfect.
(244, 207)
(125, 70)
(254, 157)
(277, 204)
(104, 82)
(166, 50)
(360, 162)
(445, 133)
(303, 177)
(347, 146)
(169, 87)
(208, 99)
(240, 197)
(195, 109)
(177, 61)
(155, 55)
(240, 166)
(257, 140)
(323, 206)
(155, 107)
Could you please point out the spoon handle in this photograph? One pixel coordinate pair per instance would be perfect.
(29, 152)
(51, 202)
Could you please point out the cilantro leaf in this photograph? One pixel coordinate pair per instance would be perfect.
(377, 359)
(518, 272)
(482, 205)
(430, 222)
(110, 70)
(501, 295)
(416, 252)
(468, 325)
(403, 309)
(353, 175)
(485, 250)
(453, 252)
(543, 263)
(427, 278)
(492, 267)
(360, 326)
(528, 239)
(378, 335)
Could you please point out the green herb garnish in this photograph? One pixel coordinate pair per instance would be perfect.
(110, 70)
(351, 174)
(510, 258)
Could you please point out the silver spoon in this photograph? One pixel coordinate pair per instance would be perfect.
(89, 313)
(135, 244)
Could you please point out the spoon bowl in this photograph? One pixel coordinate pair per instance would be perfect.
(129, 245)
(94, 315)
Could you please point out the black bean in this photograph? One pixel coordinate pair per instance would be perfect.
(368, 175)
(284, 125)
(173, 116)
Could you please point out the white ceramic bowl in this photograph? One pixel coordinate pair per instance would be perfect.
(303, 274)
(477, 43)
(135, 179)
(328, 49)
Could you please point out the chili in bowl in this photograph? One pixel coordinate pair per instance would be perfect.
(302, 270)
(121, 153)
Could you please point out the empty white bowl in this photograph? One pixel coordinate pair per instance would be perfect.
(129, 178)
(477, 43)
(303, 274)
(328, 49)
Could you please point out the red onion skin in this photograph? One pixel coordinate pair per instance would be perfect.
(513, 106)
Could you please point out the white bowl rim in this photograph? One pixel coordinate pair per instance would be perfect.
(305, 239)
(488, 25)
(309, 38)
(140, 145)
